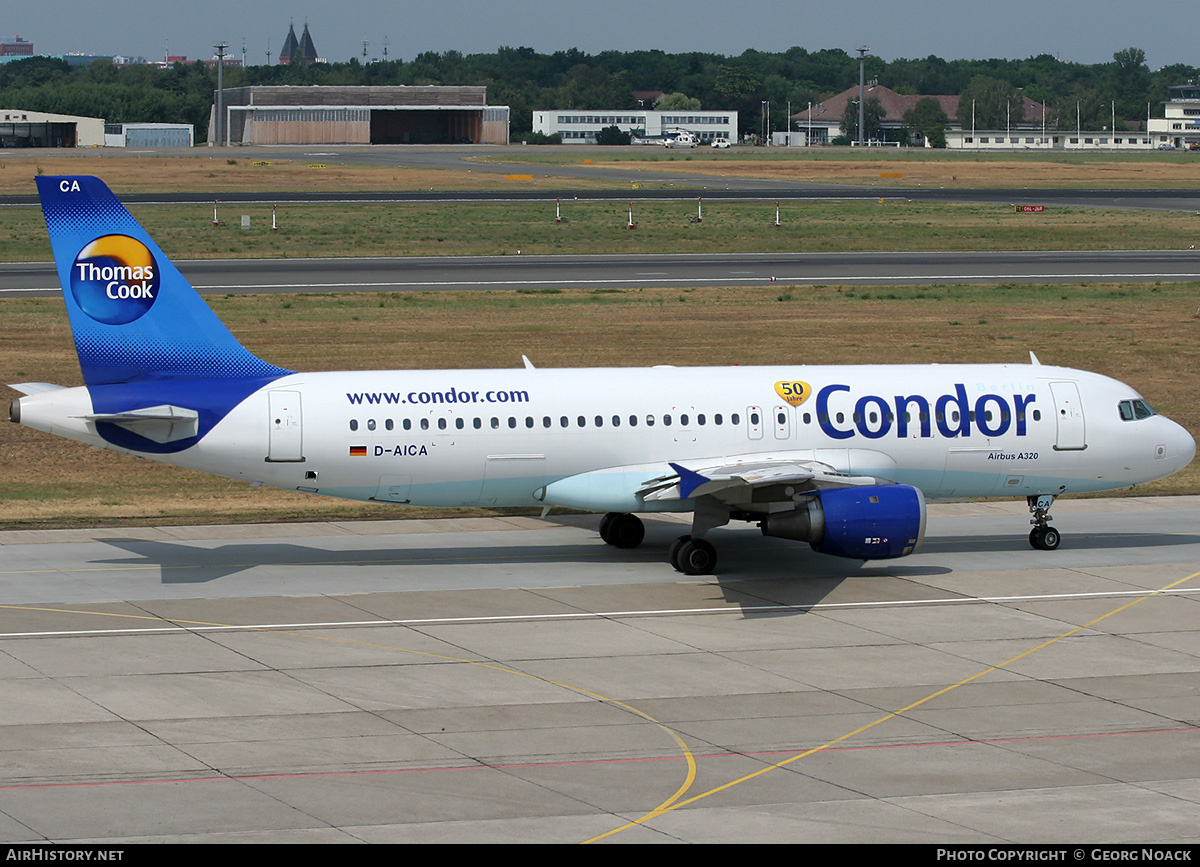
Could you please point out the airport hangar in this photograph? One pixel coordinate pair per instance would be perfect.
(20, 128)
(400, 114)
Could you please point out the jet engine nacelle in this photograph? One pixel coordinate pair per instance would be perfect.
(879, 522)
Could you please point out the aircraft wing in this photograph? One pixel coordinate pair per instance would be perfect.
(735, 480)
(745, 482)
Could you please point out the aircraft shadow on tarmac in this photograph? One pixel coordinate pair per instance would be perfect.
(757, 572)
(748, 558)
(752, 571)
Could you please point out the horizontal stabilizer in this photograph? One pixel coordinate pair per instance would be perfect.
(161, 424)
(35, 387)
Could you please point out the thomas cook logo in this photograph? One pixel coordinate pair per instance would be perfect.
(115, 279)
(795, 392)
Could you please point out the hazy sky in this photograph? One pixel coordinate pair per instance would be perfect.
(1086, 31)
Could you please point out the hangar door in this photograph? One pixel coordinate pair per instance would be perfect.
(426, 126)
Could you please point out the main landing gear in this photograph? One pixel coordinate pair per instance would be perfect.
(690, 554)
(1042, 536)
(622, 530)
(693, 556)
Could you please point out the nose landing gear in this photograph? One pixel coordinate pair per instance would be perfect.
(1042, 537)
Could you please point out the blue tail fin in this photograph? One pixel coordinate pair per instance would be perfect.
(134, 316)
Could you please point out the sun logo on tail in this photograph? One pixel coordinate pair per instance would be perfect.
(115, 279)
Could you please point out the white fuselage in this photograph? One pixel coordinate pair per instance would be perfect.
(499, 437)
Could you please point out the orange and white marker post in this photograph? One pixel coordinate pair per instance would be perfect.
(632, 224)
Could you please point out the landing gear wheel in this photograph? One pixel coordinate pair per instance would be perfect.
(694, 557)
(624, 531)
(605, 525)
(1044, 538)
(673, 553)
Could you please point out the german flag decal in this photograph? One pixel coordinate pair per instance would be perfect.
(358, 451)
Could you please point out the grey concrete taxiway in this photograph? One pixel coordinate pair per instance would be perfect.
(513, 679)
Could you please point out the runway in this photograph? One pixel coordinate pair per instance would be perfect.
(417, 273)
(513, 679)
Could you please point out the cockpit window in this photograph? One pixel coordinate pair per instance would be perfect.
(1132, 410)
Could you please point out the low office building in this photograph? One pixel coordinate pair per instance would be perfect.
(148, 135)
(581, 126)
(1024, 138)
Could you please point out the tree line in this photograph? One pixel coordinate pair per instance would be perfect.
(523, 79)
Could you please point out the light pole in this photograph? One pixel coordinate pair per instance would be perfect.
(862, 90)
(220, 49)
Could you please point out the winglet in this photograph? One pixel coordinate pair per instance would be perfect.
(688, 480)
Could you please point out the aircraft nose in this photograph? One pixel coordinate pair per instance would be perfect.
(1177, 446)
(1187, 447)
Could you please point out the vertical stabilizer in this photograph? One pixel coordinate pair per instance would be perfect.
(134, 316)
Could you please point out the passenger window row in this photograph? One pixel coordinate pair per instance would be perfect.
(1129, 410)
(873, 417)
(546, 422)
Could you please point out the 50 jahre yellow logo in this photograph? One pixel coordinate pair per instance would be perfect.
(795, 393)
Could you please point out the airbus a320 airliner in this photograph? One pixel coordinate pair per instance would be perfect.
(841, 457)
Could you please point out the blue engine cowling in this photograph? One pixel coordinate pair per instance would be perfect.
(879, 522)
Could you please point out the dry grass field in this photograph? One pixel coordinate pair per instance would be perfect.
(903, 168)
(955, 173)
(233, 172)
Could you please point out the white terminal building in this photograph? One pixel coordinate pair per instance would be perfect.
(1181, 126)
(581, 126)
